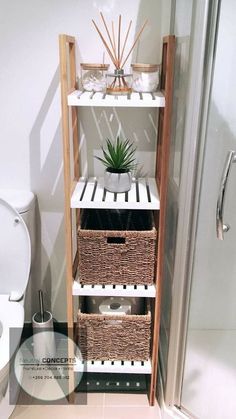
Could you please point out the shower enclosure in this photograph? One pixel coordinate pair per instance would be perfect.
(198, 339)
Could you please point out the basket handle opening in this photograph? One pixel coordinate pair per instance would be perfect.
(116, 240)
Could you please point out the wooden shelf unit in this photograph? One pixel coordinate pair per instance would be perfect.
(89, 193)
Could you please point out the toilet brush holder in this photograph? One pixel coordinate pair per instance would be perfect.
(43, 333)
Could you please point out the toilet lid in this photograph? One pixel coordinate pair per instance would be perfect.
(15, 252)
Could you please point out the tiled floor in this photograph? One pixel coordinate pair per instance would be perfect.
(99, 406)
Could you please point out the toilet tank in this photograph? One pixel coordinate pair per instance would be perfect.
(24, 202)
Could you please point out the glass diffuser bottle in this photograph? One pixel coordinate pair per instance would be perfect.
(119, 83)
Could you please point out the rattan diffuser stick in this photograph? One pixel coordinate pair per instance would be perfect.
(109, 36)
(114, 39)
(135, 42)
(116, 51)
(119, 27)
(106, 46)
(127, 34)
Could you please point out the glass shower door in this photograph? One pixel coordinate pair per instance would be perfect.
(209, 379)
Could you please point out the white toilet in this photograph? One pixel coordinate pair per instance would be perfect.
(17, 248)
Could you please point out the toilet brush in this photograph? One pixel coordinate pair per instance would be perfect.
(41, 305)
(43, 336)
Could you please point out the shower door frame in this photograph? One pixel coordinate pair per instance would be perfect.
(202, 54)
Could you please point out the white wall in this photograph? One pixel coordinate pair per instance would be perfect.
(30, 141)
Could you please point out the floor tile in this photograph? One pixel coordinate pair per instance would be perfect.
(124, 399)
(93, 399)
(60, 412)
(99, 406)
(127, 412)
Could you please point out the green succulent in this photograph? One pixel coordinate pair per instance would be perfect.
(118, 156)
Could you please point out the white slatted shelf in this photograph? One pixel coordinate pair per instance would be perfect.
(115, 290)
(144, 100)
(90, 193)
(125, 367)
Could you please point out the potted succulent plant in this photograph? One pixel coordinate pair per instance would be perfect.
(119, 161)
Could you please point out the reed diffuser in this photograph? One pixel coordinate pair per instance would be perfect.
(118, 83)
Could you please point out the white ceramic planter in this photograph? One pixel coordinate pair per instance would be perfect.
(117, 182)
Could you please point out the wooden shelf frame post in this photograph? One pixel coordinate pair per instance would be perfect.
(162, 167)
(68, 84)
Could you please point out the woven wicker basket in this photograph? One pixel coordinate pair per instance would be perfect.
(117, 247)
(112, 337)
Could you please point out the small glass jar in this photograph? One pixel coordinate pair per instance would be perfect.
(145, 77)
(93, 77)
(119, 83)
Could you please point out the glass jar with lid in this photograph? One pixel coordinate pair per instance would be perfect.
(145, 77)
(93, 77)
